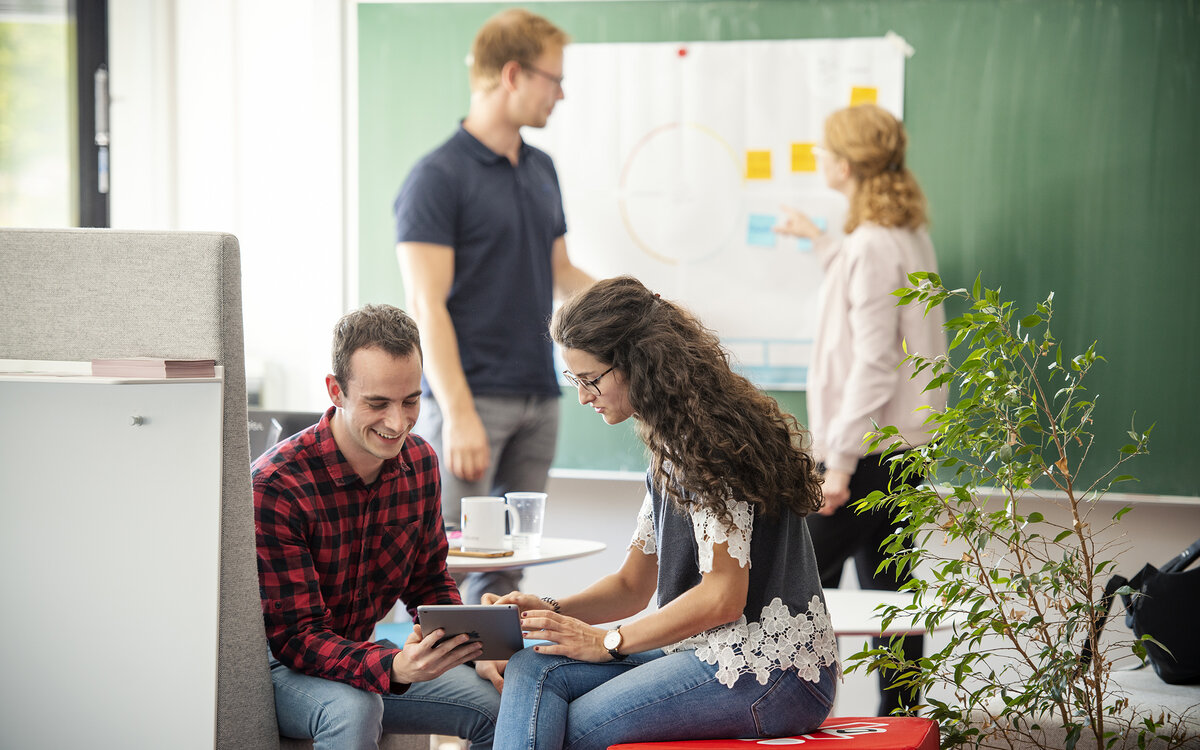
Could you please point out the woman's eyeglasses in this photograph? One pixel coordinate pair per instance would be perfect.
(591, 386)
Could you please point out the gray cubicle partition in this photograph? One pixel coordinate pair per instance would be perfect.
(91, 293)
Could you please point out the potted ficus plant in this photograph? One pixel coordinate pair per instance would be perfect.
(1022, 588)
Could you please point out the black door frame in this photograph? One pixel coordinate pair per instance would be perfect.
(91, 75)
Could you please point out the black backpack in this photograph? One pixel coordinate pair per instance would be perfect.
(1165, 604)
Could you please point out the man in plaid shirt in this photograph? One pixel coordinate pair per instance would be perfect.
(348, 521)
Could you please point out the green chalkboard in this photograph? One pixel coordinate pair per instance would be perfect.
(1056, 140)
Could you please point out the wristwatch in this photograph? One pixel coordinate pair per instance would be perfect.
(612, 642)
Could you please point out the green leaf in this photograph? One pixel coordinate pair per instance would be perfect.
(1029, 321)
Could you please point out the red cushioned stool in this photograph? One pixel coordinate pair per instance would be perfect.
(842, 733)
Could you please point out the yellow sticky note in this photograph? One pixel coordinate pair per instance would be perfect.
(863, 95)
(803, 159)
(758, 165)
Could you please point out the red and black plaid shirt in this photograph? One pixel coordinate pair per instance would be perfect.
(334, 554)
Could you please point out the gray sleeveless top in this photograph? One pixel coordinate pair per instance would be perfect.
(784, 624)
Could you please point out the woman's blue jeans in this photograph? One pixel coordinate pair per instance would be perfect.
(552, 702)
(337, 716)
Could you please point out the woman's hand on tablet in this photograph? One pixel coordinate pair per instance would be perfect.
(567, 636)
(523, 601)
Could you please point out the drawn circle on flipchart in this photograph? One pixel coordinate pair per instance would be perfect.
(680, 193)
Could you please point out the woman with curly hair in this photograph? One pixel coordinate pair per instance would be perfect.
(740, 645)
(856, 379)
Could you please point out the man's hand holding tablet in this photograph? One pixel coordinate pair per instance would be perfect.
(425, 657)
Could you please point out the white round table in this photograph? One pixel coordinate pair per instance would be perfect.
(552, 549)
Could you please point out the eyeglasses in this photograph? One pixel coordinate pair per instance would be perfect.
(556, 80)
(589, 385)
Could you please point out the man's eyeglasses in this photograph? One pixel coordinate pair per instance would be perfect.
(556, 80)
(591, 386)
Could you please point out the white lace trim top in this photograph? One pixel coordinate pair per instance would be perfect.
(710, 531)
(779, 639)
(643, 535)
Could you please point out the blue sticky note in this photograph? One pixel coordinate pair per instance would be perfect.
(804, 244)
(761, 230)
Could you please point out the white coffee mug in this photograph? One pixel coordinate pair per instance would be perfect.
(483, 522)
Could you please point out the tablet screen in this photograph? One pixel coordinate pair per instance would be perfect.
(496, 626)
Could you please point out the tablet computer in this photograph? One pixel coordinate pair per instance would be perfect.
(496, 626)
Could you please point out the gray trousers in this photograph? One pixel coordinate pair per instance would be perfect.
(522, 432)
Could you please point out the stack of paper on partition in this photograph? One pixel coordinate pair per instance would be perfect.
(151, 367)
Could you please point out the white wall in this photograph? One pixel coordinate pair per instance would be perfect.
(229, 116)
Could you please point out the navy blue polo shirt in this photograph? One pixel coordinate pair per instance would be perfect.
(502, 222)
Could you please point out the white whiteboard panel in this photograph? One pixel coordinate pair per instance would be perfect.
(674, 158)
(109, 564)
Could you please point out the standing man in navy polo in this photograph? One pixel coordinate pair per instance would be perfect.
(481, 242)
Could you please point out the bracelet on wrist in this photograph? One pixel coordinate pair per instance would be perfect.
(554, 605)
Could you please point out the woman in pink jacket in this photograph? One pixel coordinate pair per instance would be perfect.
(855, 377)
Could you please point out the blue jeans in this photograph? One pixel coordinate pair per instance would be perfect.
(522, 432)
(552, 702)
(337, 716)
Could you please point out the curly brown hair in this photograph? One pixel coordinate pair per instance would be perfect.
(712, 434)
(874, 144)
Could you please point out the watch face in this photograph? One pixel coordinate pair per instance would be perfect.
(612, 639)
